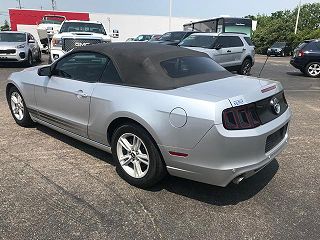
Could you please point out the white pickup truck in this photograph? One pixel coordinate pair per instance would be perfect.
(76, 33)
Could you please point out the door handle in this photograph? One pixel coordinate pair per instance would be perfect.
(81, 94)
(229, 51)
(244, 49)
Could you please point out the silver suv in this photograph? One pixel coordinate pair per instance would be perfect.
(19, 47)
(233, 51)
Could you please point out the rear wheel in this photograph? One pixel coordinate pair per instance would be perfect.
(18, 108)
(137, 158)
(313, 69)
(245, 67)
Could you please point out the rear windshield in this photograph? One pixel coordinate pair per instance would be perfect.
(82, 27)
(199, 41)
(12, 37)
(189, 66)
(249, 41)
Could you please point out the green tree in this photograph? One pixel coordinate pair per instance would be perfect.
(5, 26)
(280, 25)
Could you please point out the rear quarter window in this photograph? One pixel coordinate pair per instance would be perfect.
(249, 41)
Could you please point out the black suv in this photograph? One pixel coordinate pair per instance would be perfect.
(279, 49)
(306, 58)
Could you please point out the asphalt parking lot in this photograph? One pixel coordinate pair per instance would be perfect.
(54, 187)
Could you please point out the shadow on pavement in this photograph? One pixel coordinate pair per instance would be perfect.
(95, 152)
(18, 65)
(230, 195)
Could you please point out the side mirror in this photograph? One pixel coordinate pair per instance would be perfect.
(45, 71)
(115, 33)
(217, 47)
(31, 41)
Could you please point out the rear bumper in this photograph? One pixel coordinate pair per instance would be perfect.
(223, 155)
(298, 63)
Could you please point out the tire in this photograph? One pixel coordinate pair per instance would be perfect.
(18, 108)
(49, 60)
(313, 69)
(29, 61)
(142, 167)
(38, 59)
(245, 67)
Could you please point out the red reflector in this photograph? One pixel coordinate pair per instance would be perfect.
(268, 88)
(178, 154)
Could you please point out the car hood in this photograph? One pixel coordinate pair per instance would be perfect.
(238, 89)
(82, 35)
(5, 45)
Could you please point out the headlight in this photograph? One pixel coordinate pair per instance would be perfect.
(56, 42)
(269, 49)
(21, 46)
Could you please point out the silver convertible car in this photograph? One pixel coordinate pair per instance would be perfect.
(159, 109)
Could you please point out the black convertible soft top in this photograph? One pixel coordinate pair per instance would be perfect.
(138, 64)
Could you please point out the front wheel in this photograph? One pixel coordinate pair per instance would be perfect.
(18, 108)
(245, 67)
(137, 158)
(29, 61)
(313, 69)
(38, 59)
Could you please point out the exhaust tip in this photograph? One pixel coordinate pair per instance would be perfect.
(238, 179)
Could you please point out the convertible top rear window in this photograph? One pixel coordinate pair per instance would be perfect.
(188, 66)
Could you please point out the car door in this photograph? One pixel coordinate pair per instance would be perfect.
(64, 98)
(228, 51)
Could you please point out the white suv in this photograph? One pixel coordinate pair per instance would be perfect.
(74, 34)
(233, 51)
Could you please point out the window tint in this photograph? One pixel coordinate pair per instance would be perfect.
(110, 74)
(86, 67)
(199, 41)
(229, 41)
(188, 66)
(317, 44)
(249, 41)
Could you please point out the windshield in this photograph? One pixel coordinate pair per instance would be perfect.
(82, 27)
(172, 36)
(198, 41)
(12, 37)
(278, 45)
(188, 66)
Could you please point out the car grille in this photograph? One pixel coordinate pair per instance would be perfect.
(70, 43)
(275, 138)
(8, 51)
(266, 112)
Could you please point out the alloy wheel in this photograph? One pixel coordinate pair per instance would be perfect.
(133, 155)
(17, 106)
(314, 69)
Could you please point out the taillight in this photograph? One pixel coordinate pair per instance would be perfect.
(300, 53)
(243, 117)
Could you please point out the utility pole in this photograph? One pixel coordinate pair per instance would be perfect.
(170, 13)
(298, 15)
(19, 2)
(54, 4)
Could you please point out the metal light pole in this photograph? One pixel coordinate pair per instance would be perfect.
(298, 15)
(170, 13)
(54, 4)
(19, 2)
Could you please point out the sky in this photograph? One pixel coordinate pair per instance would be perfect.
(201, 9)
